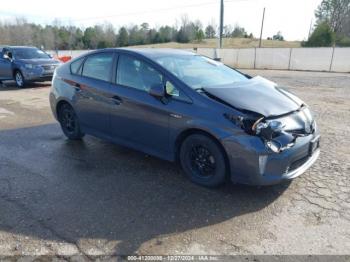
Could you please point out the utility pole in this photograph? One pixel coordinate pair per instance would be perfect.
(262, 27)
(310, 28)
(221, 22)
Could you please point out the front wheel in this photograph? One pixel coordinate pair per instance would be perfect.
(69, 122)
(203, 160)
(19, 79)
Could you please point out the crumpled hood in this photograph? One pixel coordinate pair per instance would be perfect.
(49, 61)
(257, 95)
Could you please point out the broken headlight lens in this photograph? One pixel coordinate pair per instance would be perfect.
(274, 146)
(271, 132)
(252, 126)
(273, 135)
(267, 130)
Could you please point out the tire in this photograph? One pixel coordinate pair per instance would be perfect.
(69, 122)
(203, 160)
(19, 79)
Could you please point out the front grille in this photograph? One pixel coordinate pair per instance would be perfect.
(47, 74)
(49, 67)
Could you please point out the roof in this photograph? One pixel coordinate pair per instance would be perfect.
(13, 46)
(157, 52)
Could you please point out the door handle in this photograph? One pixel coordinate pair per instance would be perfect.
(77, 87)
(117, 100)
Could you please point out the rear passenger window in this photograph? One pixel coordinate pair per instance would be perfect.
(75, 67)
(98, 66)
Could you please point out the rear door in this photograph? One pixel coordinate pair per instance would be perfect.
(5, 66)
(92, 84)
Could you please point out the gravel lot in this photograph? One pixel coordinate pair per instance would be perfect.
(59, 197)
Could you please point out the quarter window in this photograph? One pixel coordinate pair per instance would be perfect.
(75, 67)
(98, 66)
(137, 74)
(171, 90)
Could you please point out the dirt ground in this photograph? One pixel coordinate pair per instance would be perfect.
(59, 197)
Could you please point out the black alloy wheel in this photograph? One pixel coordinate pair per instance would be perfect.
(203, 160)
(69, 122)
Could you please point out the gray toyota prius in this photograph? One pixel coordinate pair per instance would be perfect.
(180, 106)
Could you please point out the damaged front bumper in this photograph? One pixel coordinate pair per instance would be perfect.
(251, 162)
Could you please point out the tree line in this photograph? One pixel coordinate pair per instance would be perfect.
(332, 24)
(62, 37)
(332, 28)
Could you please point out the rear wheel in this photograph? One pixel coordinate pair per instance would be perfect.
(203, 160)
(19, 79)
(69, 122)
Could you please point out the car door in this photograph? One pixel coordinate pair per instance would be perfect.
(92, 84)
(137, 116)
(5, 66)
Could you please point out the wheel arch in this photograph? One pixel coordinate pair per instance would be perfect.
(60, 104)
(186, 133)
(14, 70)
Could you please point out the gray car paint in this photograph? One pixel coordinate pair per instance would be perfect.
(257, 95)
(249, 159)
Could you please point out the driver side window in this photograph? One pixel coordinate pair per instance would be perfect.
(6, 52)
(137, 74)
(134, 73)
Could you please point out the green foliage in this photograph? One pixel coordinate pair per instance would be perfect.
(89, 38)
(210, 31)
(200, 35)
(182, 36)
(322, 36)
(343, 41)
(239, 32)
(166, 34)
(123, 37)
(332, 25)
(59, 37)
(334, 13)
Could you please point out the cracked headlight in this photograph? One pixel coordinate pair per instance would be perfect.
(267, 130)
(274, 146)
(272, 132)
(274, 136)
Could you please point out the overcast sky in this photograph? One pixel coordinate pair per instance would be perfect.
(292, 17)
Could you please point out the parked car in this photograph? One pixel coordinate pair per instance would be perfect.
(216, 121)
(24, 64)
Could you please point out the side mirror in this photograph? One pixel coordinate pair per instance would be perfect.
(157, 91)
(6, 56)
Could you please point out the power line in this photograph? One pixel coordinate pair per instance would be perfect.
(141, 12)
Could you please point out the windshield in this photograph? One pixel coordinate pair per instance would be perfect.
(29, 53)
(198, 71)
